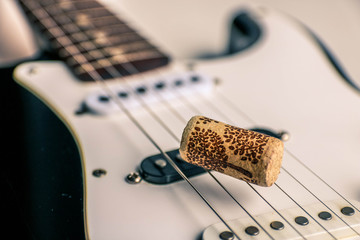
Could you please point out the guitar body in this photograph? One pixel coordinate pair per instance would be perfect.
(283, 82)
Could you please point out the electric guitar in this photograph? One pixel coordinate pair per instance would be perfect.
(125, 103)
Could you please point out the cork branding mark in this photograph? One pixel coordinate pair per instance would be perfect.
(247, 155)
(206, 147)
(247, 144)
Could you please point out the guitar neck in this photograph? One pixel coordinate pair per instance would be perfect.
(90, 39)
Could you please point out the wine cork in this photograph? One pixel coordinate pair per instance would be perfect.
(240, 153)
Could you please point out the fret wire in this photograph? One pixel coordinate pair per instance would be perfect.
(91, 13)
(106, 21)
(110, 30)
(78, 56)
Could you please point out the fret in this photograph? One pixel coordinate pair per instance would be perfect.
(95, 54)
(83, 5)
(107, 21)
(83, 21)
(70, 28)
(40, 13)
(108, 54)
(61, 42)
(56, 32)
(87, 46)
(30, 5)
(137, 56)
(68, 51)
(66, 5)
(62, 19)
(111, 30)
(77, 60)
(90, 39)
(80, 37)
(91, 13)
(126, 48)
(53, 10)
(47, 23)
(124, 38)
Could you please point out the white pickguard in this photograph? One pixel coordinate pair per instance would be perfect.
(284, 82)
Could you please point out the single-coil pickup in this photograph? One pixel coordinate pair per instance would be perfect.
(133, 94)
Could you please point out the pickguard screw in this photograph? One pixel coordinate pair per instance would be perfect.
(32, 70)
(133, 178)
(99, 172)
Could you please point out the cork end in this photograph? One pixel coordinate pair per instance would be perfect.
(273, 158)
(185, 136)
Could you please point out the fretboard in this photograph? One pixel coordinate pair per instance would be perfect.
(91, 40)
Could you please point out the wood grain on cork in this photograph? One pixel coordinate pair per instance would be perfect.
(240, 153)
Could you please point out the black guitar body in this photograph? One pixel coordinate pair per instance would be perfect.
(41, 175)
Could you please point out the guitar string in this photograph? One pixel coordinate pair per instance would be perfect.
(225, 116)
(151, 114)
(98, 79)
(133, 70)
(171, 133)
(174, 136)
(341, 219)
(116, 74)
(307, 189)
(234, 107)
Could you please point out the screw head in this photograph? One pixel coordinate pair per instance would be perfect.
(133, 178)
(99, 172)
(284, 136)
